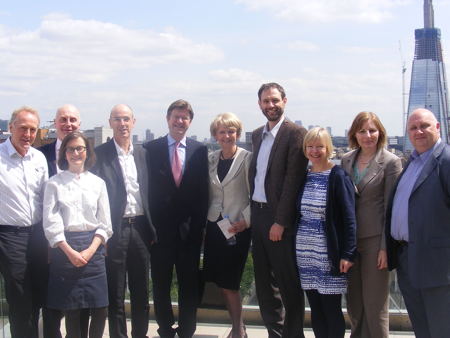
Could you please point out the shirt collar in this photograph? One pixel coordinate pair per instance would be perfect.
(426, 154)
(171, 140)
(120, 151)
(274, 130)
(12, 150)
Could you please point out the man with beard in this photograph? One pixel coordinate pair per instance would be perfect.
(276, 172)
(123, 167)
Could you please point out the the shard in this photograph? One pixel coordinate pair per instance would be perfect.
(428, 79)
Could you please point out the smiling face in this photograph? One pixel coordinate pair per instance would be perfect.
(226, 137)
(178, 122)
(121, 122)
(67, 120)
(423, 130)
(23, 131)
(272, 104)
(76, 155)
(367, 136)
(316, 152)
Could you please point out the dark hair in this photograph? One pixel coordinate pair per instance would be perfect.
(90, 154)
(359, 120)
(270, 85)
(180, 104)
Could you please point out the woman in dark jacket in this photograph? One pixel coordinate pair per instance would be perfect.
(325, 242)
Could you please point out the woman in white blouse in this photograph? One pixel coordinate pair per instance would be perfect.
(77, 224)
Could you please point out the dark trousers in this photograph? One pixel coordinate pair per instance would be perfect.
(276, 278)
(326, 315)
(23, 257)
(96, 327)
(428, 308)
(52, 322)
(128, 252)
(185, 257)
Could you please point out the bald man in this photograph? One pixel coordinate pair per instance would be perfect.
(123, 167)
(67, 120)
(418, 228)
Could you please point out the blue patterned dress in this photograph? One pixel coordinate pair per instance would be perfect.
(311, 243)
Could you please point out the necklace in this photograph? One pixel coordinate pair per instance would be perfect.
(222, 157)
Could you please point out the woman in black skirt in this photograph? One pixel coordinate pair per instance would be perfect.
(77, 224)
(224, 259)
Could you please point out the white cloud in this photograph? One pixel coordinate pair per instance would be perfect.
(234, 75)
(305, 46)
(372, 11)
(91, 51)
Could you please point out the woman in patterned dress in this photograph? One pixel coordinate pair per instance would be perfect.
(325, 242)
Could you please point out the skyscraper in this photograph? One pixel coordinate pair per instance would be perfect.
(428, 79)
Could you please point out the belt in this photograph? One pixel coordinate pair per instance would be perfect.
(402, 243)
(131, 220)
(15, 228)
(260, 205)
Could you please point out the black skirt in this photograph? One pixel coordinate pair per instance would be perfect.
(71, 288)
(223, 264)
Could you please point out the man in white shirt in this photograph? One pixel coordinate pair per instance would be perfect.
(123, 167)
(23, 248)
(67, 120)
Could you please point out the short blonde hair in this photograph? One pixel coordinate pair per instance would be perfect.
(227, 120)
(318, 133)
(21, 109)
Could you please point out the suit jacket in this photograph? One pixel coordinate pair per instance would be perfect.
(285, 171)
(49, 152)
(108, 168)
(428, 223)
(178, 212)
(373, 191)
(231, 196)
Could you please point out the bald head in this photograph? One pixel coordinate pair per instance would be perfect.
(423, 129)
(67, 120)
(121, 108)
(121, 121)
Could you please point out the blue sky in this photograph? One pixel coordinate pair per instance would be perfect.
(334, 58)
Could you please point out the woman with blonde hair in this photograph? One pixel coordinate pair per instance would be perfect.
(374, 171)
(229, 201)
(325, 242)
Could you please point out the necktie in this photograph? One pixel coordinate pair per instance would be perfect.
(176, 165)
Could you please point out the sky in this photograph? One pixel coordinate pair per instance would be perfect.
(334, 58)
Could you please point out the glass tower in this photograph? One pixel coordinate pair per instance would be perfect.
(428, 81)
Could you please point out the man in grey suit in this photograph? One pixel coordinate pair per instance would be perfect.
(418, 228)
(122, 166)
(276, 172)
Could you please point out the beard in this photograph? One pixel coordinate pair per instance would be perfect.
(273, 114)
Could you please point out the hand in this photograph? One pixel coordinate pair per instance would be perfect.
(87, 254)
(345, 265)
(238, 226)
(276, 232)
(76, 258)
(382, 260)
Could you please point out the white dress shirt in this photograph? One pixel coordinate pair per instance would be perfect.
(268, 138)
(21, 185)
(130, 179)
(75, 203)
(181, 150)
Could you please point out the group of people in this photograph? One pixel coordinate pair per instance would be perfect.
(110, 216)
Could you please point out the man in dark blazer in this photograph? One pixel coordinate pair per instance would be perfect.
(418, 228)
(67, 120)
(179, 203)
(124, 169)
(276, 172)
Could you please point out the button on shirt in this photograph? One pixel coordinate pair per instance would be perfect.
(181, 150)
(130, 179)
(21, 185)
(400, 208)
(268, 138)
(75, 203)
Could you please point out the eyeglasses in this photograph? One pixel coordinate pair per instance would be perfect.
(79, 149)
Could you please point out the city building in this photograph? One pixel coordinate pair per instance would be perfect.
(4, 125)
(428, 79)
(149, 136)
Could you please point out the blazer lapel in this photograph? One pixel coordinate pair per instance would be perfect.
(114, 159)
(239, 158)
(372, 170)
(276, 142)
(429, 166)
(213, 163)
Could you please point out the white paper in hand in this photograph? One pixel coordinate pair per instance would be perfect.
(225, 225)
